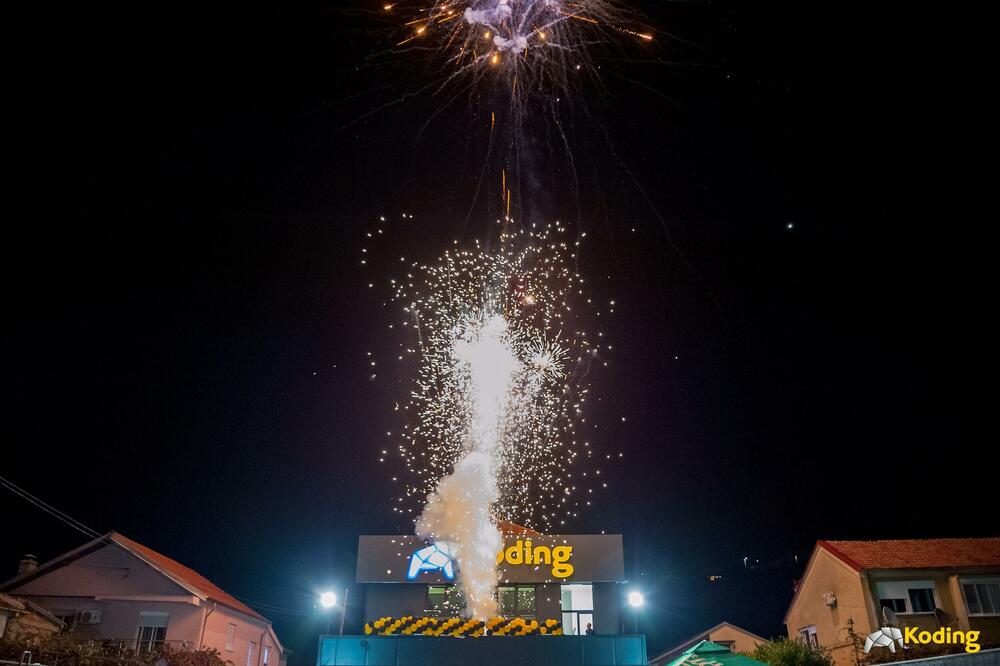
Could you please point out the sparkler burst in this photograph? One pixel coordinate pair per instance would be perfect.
(531, 45)
(502, 358)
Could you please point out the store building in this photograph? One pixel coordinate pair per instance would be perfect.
(573, 578)
(559, 600)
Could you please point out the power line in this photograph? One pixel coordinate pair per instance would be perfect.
(48, 508)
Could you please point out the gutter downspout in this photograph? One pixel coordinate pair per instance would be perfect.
(201, 639)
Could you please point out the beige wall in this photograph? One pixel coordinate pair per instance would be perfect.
(828, 574)
(743, 642)
(248, 631)
(121, 586)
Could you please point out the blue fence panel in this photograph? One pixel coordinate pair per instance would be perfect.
(497, 651)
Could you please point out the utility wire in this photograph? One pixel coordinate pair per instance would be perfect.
(48, 508)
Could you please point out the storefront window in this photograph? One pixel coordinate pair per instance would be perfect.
(577, 609)
(517, 600)
(444, 601)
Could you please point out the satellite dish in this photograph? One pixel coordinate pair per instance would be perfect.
(890, 616)
(941, 617)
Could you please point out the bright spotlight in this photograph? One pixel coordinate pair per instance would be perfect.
(329, 599)
(635, 599)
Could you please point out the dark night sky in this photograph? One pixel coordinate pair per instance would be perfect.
(187, 322)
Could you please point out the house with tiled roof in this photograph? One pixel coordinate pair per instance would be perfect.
(115, 589)
(925, 583)
(724, 634)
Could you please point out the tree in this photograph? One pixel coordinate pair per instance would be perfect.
(785, 652)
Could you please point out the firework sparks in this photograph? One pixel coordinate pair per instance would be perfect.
(491, 431)
(538, 41)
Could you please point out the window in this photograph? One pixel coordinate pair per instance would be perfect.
(267, 653)
(808, 636)
(922, 600)
(250, 650)
(444, 601)
(230, 637)
(895, 605)
(152, 631)
(577, 608)
(982, 597)
(517, 600)
(907, 596)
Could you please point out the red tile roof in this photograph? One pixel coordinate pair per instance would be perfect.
(185, 575)
(513, 529)
(916, 553)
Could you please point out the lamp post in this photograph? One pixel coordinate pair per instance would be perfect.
(636, 600)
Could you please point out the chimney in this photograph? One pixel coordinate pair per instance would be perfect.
(26, 564)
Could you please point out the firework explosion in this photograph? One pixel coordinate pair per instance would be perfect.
(534, 44)
(502, 367)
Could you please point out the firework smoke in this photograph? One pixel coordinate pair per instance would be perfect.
(499, 389)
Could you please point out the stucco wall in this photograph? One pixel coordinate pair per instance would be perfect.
(743, 642)
(828, 574)
(247, 631)
(107, 571)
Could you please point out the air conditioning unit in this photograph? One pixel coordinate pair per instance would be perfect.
(90, 617)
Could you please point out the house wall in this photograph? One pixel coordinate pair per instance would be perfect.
(743, 642)
(102, 579)
(120, 618)
(829, 574)
(248, 631)
(107, 571)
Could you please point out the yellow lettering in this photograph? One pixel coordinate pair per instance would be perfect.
(560, 561)
(910, 634)
(972, 641)
(543, 555)
(527, 552)
(924, 637)
(514, 554)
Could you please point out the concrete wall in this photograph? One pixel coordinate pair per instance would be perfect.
(829, 574)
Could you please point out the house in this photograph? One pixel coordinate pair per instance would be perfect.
(737, 639)
(20, 617)
(926, 583)
(118, 590)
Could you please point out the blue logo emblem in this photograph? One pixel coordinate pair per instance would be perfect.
(435, 557)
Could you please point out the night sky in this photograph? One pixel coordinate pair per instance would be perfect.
(188, 321)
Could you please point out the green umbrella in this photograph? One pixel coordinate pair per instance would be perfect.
(707, 653)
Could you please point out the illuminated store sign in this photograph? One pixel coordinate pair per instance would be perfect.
(523, 553)
(582, 558)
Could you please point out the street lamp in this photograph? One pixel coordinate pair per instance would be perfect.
(636, 600)
(328, 600)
